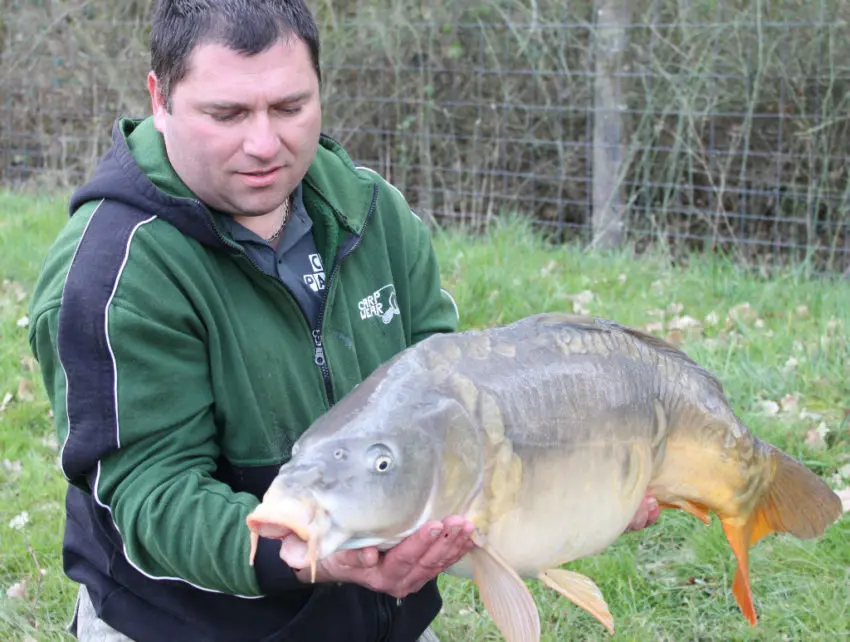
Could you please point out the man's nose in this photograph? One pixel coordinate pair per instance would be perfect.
(261, 140)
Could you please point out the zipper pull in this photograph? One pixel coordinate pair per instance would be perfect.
(319, 354)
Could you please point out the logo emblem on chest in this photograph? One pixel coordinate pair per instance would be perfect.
(315, 280)
(381, 303)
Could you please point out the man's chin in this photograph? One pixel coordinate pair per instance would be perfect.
(255, 207)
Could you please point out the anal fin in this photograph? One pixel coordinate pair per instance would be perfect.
(740, 537)
(506, 597)
(581, 591)
(697, 510)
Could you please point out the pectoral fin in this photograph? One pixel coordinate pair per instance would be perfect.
(581, 591)
(505, 596)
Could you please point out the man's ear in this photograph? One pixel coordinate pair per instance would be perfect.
(158, 102)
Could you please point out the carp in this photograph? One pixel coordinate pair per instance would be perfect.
(546, 434)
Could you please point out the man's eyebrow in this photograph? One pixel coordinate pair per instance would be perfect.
(228, 105)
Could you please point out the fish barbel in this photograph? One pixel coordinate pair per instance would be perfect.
(545, 433)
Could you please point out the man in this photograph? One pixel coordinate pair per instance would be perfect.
(213, 293)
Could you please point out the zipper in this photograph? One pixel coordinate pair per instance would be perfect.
(316, 332)
(319, 349)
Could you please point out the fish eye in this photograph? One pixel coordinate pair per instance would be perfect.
(383, 463)
(380, 458)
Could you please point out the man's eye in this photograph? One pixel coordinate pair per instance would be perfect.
(224, 118)
(290, 111)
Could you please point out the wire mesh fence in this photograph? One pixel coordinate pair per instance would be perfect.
(694, 124)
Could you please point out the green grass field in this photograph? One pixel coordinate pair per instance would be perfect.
(778, 344)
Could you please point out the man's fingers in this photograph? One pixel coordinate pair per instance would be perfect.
(406, 567)
(359, 558)
(430, 533)
(293, 551)
(453, 544)
(401, 559)
(449, 548)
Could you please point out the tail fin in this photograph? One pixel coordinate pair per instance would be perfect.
(797, 502)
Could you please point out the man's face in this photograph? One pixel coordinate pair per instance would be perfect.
(242, 130)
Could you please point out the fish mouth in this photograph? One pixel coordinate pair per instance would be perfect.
(278, 517)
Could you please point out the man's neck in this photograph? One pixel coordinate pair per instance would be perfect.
(267, 225)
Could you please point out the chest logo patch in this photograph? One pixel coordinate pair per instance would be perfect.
(315, 279)
(381, 303)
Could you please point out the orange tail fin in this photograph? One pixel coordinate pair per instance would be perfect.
(797, 502)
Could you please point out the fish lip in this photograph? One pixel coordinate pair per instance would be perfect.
(277, 517)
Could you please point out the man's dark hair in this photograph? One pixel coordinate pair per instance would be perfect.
(248, 27)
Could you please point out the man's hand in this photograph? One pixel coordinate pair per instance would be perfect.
(646, 515)
(400, 571)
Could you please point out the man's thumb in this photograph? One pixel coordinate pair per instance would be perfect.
(293, 551)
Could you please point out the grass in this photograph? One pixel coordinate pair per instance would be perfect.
(779, 345)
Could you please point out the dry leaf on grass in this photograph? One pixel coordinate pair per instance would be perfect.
(15, 288)
(547, 269)
(684, 323)
(51, 442)
(581, 301)
(655, 326)
(816, 437)
(19, 521)
(25, 392)
(768, 407)
(790, 402)
(814, 440)
(14, 468)
(844, 496)
(742, 312)
(18, 591)
(675, 337)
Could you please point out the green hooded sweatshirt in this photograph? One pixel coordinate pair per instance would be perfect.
(180, 375)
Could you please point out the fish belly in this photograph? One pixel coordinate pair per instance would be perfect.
(569, 505)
